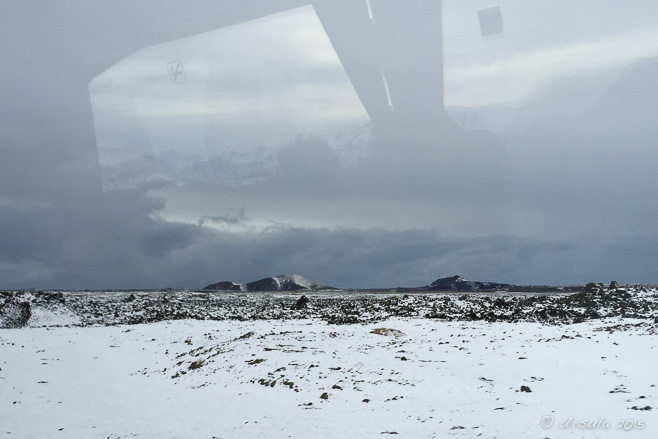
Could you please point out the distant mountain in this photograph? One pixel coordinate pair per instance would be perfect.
(226, 285)
(458, 283)
(286, 282)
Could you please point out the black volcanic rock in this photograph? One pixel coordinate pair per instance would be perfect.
(301, 303)
(14, 314)
(458, 283)
(225, 285)
(287, 282)
(85, 308)
(268, 284)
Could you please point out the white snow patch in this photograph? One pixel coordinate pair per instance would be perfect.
(442, 379)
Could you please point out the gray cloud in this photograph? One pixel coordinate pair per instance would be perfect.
(112, 242)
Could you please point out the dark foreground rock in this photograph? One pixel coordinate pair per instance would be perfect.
(15, 314)
(302, 302)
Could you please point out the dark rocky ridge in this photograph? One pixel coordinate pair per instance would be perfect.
(225, 286)
(458, 283)
(332, 306)
(294, 282)
(285, 282)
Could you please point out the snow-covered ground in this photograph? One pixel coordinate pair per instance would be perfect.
(306, 378)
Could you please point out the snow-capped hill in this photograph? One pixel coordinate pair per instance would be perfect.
(295, 281)
(286, 282)
(458, 283)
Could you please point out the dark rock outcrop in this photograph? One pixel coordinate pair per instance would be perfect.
(15, 314)
(301, 303)
(225, 285)
(458, 283)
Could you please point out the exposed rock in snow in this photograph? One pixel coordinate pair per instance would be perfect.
(85, 308)
(390, 332)
(302, 302)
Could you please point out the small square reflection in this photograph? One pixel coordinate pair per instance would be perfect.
(491, 21)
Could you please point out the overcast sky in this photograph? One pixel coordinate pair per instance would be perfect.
(259, 158)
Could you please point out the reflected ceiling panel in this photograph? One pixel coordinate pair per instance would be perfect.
(218, 106)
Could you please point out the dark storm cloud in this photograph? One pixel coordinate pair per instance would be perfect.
(113, 244)
(86, 240)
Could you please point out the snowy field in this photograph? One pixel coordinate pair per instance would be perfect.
(306, 378)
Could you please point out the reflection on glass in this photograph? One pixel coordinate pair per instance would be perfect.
(217, 107)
